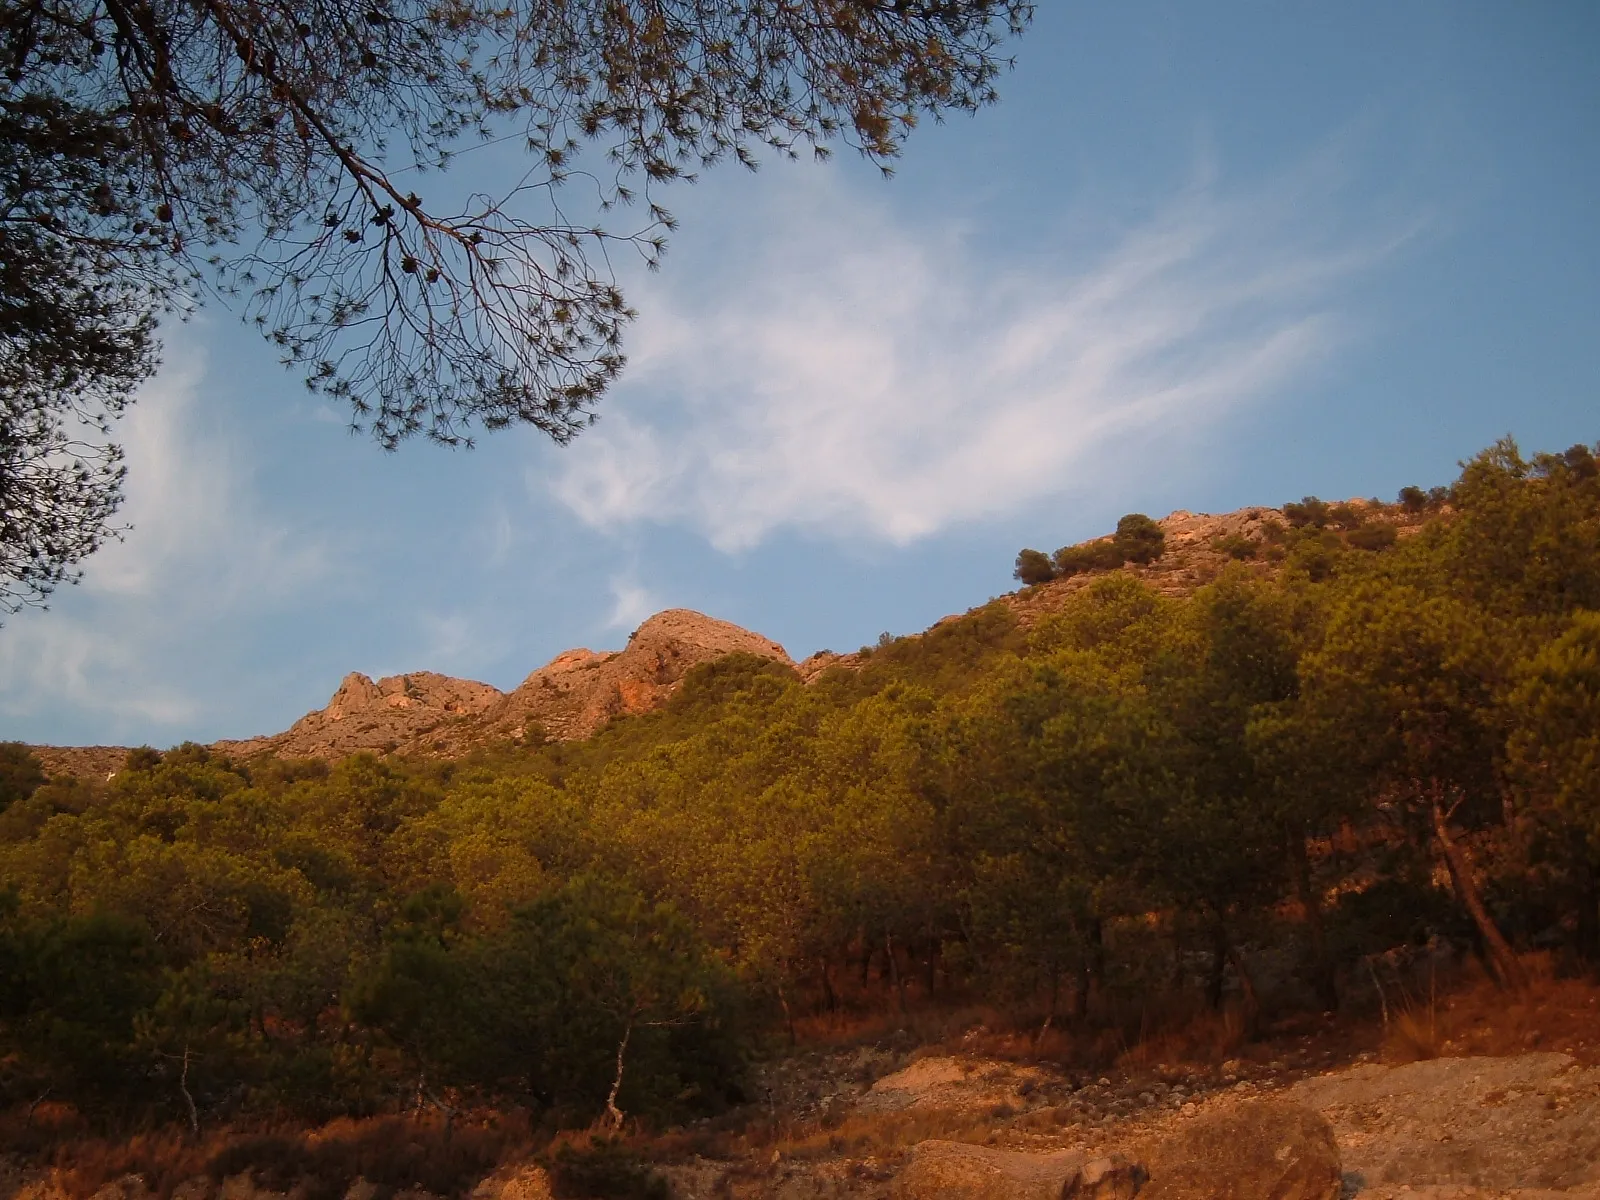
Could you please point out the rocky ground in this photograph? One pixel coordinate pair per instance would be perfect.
(885, 1125)
(886, 1122)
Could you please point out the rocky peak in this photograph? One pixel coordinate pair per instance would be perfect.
(382, 715)
(578, 691)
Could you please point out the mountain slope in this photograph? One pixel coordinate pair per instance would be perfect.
(577, 692)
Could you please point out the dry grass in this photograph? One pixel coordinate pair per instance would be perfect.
(1459, 1014)
(391, 1153)
(1558, 1014)
(1413, 1035)
(857, 1135)
(1204, 1036)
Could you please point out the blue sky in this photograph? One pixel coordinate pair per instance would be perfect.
(1200, 256)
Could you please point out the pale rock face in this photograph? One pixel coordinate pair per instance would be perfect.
(356, 693)
(577, 692)
(571, 696)
(363, 715)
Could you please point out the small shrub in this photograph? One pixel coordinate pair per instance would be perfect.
(1413, 1036)
(1091, 556)
(1310, 512)
(163, 1160)
(1034, 566)
(607, 1170)
(1316, 553)
(1235, 545)
(1580, 461)
(20, 773)
(1139, 539)
(1345, 516)
(1372, 537)
(1413, 499)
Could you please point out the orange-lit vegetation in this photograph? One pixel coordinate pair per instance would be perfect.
(1144, 830)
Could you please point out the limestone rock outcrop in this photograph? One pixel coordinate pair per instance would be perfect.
(374, 715)
(1529, 1121)
(577, 692)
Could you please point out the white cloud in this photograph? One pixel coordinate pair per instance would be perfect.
(88, 666)
(196, 526)
(202, 554)
(858, 377)
(630, 604)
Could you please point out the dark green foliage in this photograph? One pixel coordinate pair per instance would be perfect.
(1236, 545)
(1413, 499)
(1372, 537)
(949, 659)
(1315, 551)
(1308, 512)
(1345, 516)
(605, 1170)
(74, 991)
(1527, 533)
(81, 283)
(20, 773)
(1034, 566)
(1138, 792)
(1091, 556)
(1139, 539)
(541, 1009)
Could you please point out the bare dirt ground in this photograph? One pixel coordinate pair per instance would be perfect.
(1476, 1095)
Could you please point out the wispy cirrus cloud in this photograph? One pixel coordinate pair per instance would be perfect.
(859, 377)
(631, 603)
(201, 552)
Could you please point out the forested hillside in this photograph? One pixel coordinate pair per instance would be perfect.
(1235, 795)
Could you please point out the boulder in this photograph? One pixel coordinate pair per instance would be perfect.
(523, 1182)
(1525, 1121)
(1109, 1178)
(1258, 1150)
(958, 1171)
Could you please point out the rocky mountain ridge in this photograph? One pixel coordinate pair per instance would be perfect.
(573, 695)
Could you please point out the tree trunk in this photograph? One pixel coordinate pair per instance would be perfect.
(613, 1113)
(829, 997)
(894, 972)
(1502, 961)
(1252, 1002)
(1050, 1011)
(1080, 993)
(188, 1100)
(1323, 975)
(788, 1015)
(1097, 955)
(1219, 965)
(932, 967)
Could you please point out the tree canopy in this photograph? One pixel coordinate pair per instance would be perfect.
(278, 153)
(1260, 794)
